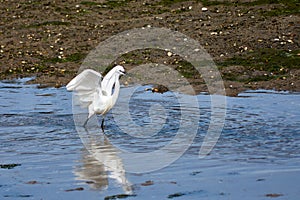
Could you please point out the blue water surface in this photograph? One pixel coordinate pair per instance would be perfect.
(43, 157)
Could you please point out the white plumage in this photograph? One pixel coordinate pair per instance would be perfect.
(97, 94)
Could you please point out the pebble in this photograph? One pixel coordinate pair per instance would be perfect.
(147, 183)
(169, 54)
(204, 9)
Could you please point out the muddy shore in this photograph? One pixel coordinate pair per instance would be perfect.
(255, 43)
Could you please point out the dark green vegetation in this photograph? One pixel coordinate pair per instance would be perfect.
(169, 2)
(76, 57)
(180, 194)
(49, 23)
(89, 3)
(273, 62)
(286, 7)
(186, 69)
(119, 196)
(18, 196)
(9, 166)
(75, 189)
(107, 4)
(273, 195)
(43, 66)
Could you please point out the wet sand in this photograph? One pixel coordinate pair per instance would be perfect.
(255, 44)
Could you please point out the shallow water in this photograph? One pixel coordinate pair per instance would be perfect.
(43, 157)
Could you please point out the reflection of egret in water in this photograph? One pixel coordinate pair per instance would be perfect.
(92, 171)
(100, 161)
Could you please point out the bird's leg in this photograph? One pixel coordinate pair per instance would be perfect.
(85, 123)
(102, 124)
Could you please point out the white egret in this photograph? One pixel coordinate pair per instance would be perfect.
(97, 94)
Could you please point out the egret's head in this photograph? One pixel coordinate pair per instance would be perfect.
(120, 69)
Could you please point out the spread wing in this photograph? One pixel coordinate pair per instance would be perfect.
(86, 85)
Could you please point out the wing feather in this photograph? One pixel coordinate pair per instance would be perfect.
(85, 85)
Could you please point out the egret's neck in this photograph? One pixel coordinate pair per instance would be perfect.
(116, 89)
